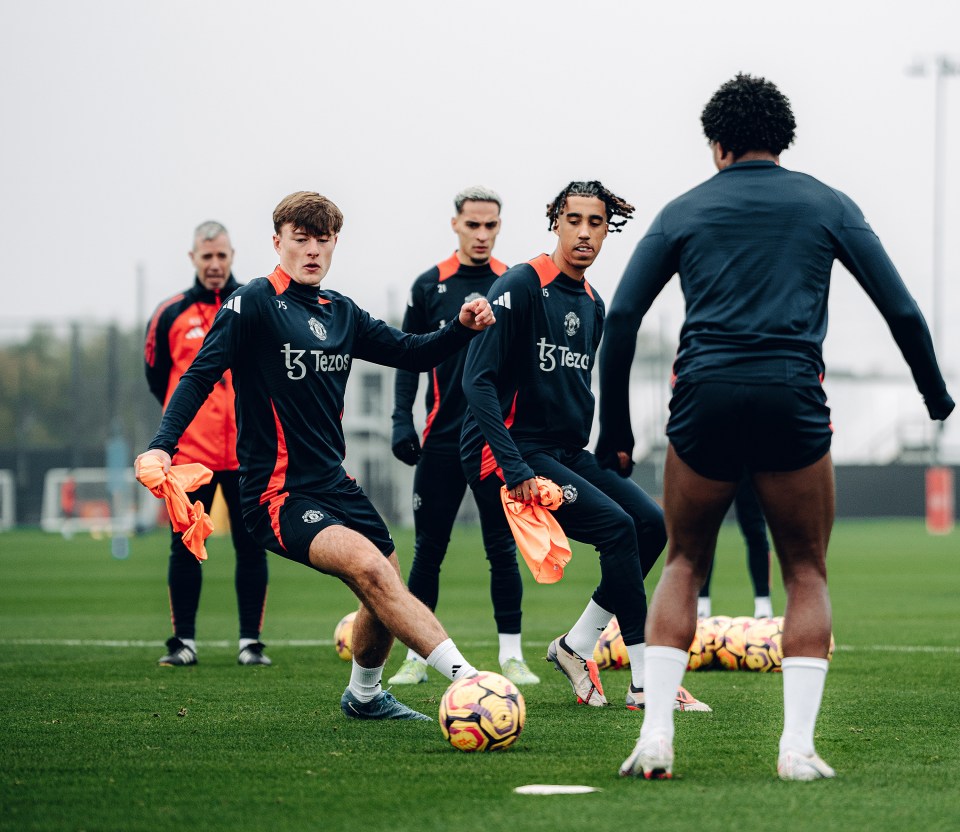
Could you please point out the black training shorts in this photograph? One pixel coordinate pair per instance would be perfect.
(719, 428)
(289, 527)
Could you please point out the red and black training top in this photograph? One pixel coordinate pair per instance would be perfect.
(290, 348)
(435, 299)
(174, 336)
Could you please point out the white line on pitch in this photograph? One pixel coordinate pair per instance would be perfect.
(326, 642)
(92, 642)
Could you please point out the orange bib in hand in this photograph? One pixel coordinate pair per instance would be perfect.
(539, 537)
(172, 487)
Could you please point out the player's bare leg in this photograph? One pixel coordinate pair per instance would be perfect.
(387, 606)
(693, 509)
(799, 506)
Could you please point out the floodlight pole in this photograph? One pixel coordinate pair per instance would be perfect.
(943, 67)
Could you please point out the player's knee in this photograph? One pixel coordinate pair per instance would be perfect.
(428, 550)
(651, 535)
(809, 571)
(618, 533)
(502, 558)
(371, 572)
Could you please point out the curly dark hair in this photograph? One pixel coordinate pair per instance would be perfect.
(747, 114)
(616, 206)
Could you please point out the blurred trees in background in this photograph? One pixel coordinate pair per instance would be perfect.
(64, 392)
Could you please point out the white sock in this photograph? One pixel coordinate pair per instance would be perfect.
(190, 642)
(636, 654)
(583, 635)
(449, 661)
(664, 668)
(246, 642)
(365, 682)
(762, 608)
(803, 682)
(703, 606)
(510, 647)
(415, 656)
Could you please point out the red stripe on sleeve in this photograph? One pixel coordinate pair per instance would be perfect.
(274, 495)
(150, 347)
(488, 464)
(436, 406)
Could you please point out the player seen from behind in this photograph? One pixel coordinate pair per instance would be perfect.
(754, 247)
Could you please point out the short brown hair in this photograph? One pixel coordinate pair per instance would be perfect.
(310, 211)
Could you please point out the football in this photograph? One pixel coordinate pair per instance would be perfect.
(700, 656)
(763, 650)
(343, 636)
(483, 713)
(610, 653)
(732, 651)
(710, 631)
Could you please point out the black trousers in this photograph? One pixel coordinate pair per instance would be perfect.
(185, 573)
(438, 489)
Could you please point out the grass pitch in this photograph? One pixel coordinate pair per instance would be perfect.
(97, 737)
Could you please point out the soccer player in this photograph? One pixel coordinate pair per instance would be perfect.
(290, 346)
(527, 383)
(754, 530)
(439, 483)
(174, 336)
(754, 246)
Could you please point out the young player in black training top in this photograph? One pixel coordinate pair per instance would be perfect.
(754, 247)
(290, 346)
(527, 383)
(439, 483)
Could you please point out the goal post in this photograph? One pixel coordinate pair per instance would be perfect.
(85, 500)
(8, 500)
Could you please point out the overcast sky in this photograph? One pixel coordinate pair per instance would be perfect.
(126, 124)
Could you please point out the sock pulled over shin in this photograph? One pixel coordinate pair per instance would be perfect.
(663, 671)
(447, 659)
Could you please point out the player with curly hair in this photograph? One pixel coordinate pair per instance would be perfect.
(527, 383)
(754, 247)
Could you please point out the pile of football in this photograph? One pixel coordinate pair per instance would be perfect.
(483, 713)
(721, 642)
(740, 643)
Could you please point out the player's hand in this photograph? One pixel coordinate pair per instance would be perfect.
(527, 491)
(407, 450)
(612, 459)
(477, 314)
(164, 458)
(940, 408)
